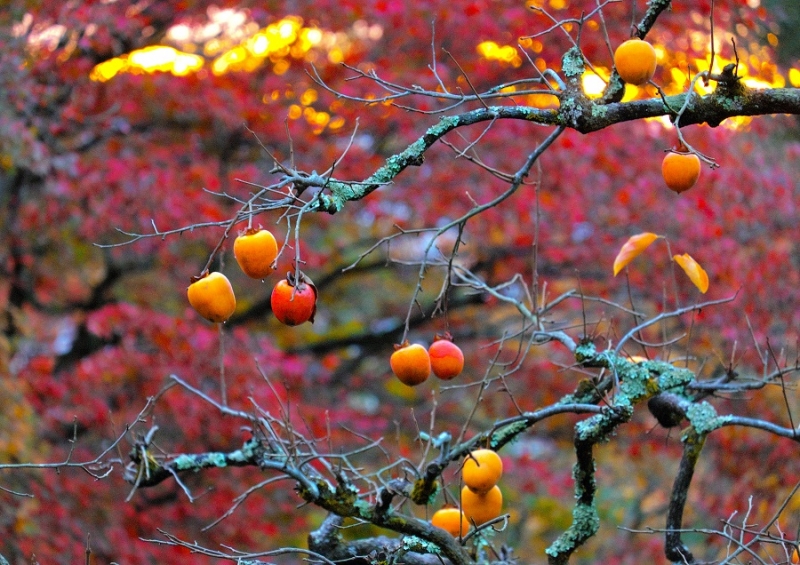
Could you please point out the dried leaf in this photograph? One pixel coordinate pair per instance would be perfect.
(635, 245)
(693, 270)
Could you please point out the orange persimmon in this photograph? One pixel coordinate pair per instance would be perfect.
(680, 170)
(255, 251)
(482, 469)
(410, 363)
(635, 61)
(481, 507)
(451, 520)
(211, 295)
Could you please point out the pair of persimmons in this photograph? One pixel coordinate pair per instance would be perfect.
(293, 300)
(412, 364)
(481, 499)
(635, 61)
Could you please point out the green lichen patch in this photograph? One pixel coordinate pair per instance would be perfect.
(704, 418)
(424, 492)
(507, 433)
(184, 463)
(570, 112)
(635, 382)
(217, 459)
(599, 111)
(673, 378)
(362, 509)
(419, 545)
(246, 453)
(585, 523)
(573, 64)
(585, 352)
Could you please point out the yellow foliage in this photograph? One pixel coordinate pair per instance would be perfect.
(17, 420)
(504, 53)
(156, 58)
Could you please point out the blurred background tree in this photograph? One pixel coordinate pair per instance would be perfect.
(156, 116)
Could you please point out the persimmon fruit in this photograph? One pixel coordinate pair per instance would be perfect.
(451, 520)
(447, 359)
(211, 295)
(294, 300)
(482, 469)
(481, 507)
(411, 363)
(255, 251)
(635, 61)
(680, 170)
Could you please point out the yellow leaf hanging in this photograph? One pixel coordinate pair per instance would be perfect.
(693, 270)
(635, 245)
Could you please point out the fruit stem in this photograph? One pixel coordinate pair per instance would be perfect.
(222, 384)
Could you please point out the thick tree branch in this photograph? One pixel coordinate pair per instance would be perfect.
(327, 540)
(712, 108)
(674, 548)
(575, 112)
(654, 9)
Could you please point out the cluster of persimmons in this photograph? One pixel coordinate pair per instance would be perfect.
(481, 499)
(293, 299)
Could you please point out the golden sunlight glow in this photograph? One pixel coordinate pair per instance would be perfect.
(233, 43)
(336, 123)
(593, 84)
(755, 66)
(271, 42)
(280, 67)
(759, 84)
(308, 97)
(295, 112)
(532, 44)
(311, 35)
(229, 59)
(766, 74)
(504, 53)
(665, 121)
(288, 39)
(772, 39)
(156, 58)
(679, 78)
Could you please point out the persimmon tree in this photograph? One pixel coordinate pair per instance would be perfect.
(501, 186)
